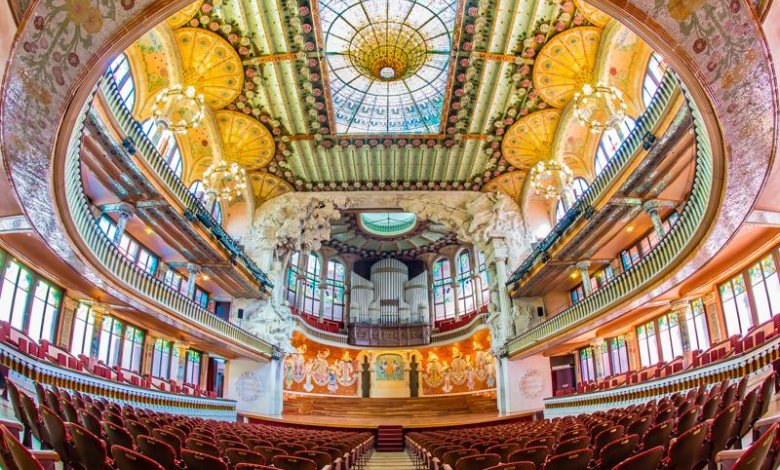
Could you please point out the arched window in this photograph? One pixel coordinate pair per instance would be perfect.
(198, 189)
(579, 186)
(611, 141)
(465, 278)
(311, 286)
(560, 209)
(656, 68)
(443, 300)
(334, 291)
(292, 279)
(484, 280)
(123, 77)
(166, 144)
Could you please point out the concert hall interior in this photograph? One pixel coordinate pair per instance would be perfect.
(389, 235)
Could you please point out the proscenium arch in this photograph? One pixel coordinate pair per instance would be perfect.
(739, 106)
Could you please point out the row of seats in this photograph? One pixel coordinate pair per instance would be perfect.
(733, 346)
(678, 432)
(97, 434)
(48, 352)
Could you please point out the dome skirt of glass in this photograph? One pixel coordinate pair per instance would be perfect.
(388, 62)
(387, 224)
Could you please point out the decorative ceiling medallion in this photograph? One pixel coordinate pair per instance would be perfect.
(388, 63)
(181, 17)
(530, 139)
(565, 64)
(211, 65)
(510, 184)
(594, 16)
(267, 187)
(244, 140)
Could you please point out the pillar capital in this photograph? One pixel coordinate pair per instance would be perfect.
(651, 205)
(193, 268)
(597, 342)
(122, 208)
(583, 265)
(680, 305)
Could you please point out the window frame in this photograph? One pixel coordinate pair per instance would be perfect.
(443, 298)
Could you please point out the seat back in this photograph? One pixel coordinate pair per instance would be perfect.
(292, 462)
(269, 452)
(687, 420)
(69, 413)
(32, 417)
(546, 441)
(128, 459)
(202, 447)
(756, 455)
(167, 437)
(574, 460)
(617, 451)
(658, 435)
(514, 466)
(608, 435)
(647, 460)
(537, 455)
(90, 449)
(688, 449)
(503, 450)
(477, 462)
(747, 412)
(199, 461)
(21, 457)
(157, 450)
(237, 456)
(136, 428)
(569, 445)
(320, 458)
(639, 426)
(117, 435)
(58, 435)
(90, 422)
(451, 456)
(710, 408)
(765, 395)
(723, 430)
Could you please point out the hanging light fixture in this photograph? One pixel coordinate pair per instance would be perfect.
(178, 108)
(550, 178)
(599, 107)
(225, 181)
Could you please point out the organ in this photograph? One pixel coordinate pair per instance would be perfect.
(389, 297)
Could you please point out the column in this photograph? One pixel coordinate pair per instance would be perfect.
(148, 355)
(680, 309)
(99, 312)
(124, 211)
(162, 269)
(583, 267)
(502, 387)
(204, 371)
(64, 330)
(321, 280)
(456, 295)
(192, 275)
(301, 287)
(577, 368)
(181, 349)
(651, 208)
(634, 361)
(500, 254)
(712, 308)
(597, 344)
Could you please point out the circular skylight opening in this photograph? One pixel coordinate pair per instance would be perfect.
(387, 73)
(387, 224)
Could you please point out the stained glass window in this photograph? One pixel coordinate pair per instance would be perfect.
(443, 299)
(611, 141)
(192, 368)
(166, 144)
(465, 283)
(311, 285)
(44, 311)
(130, 247)
(698, 332)
(648, 344)
(292, 279)
(198, 189)
(656, 68)
(619, 355)
(587, 366)
(123, 77)
(132, 349)
(766, 288)
(83, 330)
(17, 282)
(161, 359)
(110, 339)
(334, 291)
(388, 63)
(736, 305)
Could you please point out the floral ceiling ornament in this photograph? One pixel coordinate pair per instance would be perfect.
(226, 181)
(178, 108)
(600, 107)
(550, 178)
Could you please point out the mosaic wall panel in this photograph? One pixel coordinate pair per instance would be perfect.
(320, 369)
(465, 366)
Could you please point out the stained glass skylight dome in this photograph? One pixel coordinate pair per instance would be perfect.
(387, 224)
(388, 63)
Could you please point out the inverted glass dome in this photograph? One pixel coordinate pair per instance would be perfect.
(388, 224)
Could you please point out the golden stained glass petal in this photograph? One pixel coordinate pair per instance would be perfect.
(267, 186)
(244, 140)
(594, 16)
(566, 63)
(530, 139)
(510, 184)
(181, 17)
(211, 65)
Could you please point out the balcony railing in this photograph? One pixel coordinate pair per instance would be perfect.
(138, 280)
(138, 143)
(637, 139)
(661, 257)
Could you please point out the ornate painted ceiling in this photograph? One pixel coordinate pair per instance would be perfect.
(313, 95)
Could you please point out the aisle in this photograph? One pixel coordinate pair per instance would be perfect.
(390, 461)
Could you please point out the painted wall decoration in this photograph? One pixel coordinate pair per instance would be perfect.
(389, 367)
(321, 369)
(465, 366)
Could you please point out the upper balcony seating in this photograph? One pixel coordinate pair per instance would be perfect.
(733, 346)
(47, 352)
(671, 433)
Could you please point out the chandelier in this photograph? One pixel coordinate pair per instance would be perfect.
(550, 178)
(178, 108)
(225, 181)
(599, 107)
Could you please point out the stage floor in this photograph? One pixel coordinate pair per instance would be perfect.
(408, 422)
